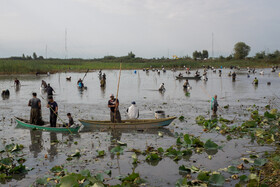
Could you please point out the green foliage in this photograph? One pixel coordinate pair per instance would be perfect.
(209, 144)
(241, 50)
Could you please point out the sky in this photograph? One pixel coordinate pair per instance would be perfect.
(148, 28)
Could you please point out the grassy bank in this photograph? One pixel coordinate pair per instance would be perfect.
(12, 66)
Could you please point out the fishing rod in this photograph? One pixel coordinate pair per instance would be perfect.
(57, 115)
(117, 93)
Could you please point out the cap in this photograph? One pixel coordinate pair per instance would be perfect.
(133, 102)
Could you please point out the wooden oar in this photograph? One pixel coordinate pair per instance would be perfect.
(58, 116)
(116, 107)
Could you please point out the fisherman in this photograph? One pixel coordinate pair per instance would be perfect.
(255, 81)
(35, 112)
(197, 73)
(161, 88)
(233, 76)
(71, 121)
(102, 82)
(220, 72)
(214, 105)
(133, 111)
(180, 75)
(229, 74)
(52, 105)
(186, 84)
(113, 104)
(44, 84)
(104, 76)
(17, 83)
(49, 90)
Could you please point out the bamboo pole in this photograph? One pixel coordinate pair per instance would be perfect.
(117, 96)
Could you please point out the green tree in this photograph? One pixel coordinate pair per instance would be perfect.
(205, 54)
(131, 55)
(260, 55)
(241, 50)
(23, 56)
(34, 56)
(195, 55)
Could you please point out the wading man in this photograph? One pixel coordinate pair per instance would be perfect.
(113, 104)
(35, 113)
(214, 105)
(52, 105)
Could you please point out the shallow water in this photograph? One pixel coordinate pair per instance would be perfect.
(142, 88)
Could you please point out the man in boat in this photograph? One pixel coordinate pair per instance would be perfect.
(17, 83)
(44, 84)
(186, 84)
(70, 122)
(52, 105)
(197, 73)
(49, 90)
(161, 88)
(35, 112)
(133, 111)
(180, 75)
(233, 76)
(113, 104)
(214, 105)
(256, 81)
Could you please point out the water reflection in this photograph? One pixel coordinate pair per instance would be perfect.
(53, 146)
(36, 142)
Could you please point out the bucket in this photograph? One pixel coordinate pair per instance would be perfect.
(159, 114)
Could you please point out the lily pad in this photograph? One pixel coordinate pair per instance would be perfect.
(209, 144)
(217, 180)
(260, 162)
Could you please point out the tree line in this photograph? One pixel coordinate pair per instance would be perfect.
(241, 51)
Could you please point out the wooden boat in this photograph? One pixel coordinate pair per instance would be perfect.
(189, 78)
(25, 123)
(130, 124)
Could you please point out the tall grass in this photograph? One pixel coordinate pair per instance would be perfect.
(9, 66)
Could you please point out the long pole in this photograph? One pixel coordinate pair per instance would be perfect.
(117, 96)
(85, 75)
(58, 116)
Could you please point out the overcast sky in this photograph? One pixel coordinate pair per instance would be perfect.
(149, 28)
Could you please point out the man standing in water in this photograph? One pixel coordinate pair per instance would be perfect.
(17, 83)
(52, 105)
(113, 104)
(35, 112)
(49, 90)
(214, 105)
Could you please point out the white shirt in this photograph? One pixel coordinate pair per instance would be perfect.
(133, 112)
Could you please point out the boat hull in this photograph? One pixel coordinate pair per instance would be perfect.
(189, 78)
(24, 123)
(129, 124)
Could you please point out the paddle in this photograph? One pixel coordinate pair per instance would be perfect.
(116, 107)
(85, 75)
(57, 115)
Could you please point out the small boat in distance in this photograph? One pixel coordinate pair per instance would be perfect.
(129, 124)
(189, 78)
(46, 127)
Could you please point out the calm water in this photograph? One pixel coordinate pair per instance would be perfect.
(142, 88)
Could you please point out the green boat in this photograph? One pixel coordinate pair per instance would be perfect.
(46, 127)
